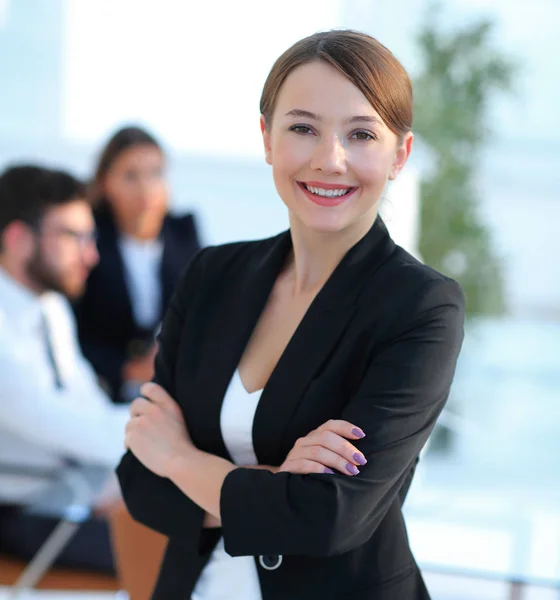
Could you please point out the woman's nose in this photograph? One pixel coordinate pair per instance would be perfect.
(329, 156)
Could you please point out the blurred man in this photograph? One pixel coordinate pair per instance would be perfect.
(55, 420)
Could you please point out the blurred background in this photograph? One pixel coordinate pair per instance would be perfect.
(478, 201)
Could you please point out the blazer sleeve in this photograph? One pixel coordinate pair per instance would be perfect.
(404, 390)
(152, 500)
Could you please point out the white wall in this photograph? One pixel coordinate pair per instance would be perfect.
(193, 72)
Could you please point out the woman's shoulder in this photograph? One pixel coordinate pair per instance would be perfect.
(230, 258)
(412, 285)
(234, 254)
(414, 272)
(181, 224)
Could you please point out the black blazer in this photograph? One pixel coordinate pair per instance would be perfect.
(377, 347)
(107, 331)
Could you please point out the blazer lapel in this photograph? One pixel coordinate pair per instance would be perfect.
(112, 263)
(168, 271)
(240, 307)
(314, 340)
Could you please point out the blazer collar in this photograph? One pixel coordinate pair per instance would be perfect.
(312, 343)
(314, 340)
(364, 257)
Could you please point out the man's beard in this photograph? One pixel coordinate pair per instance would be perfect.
(46, 279)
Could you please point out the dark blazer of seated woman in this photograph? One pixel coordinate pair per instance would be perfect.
(377, 347)
(142, 251)
(108, 332)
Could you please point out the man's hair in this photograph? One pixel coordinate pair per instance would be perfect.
(27, 192)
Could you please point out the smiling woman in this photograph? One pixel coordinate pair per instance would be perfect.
(299, 377)
(328, 144)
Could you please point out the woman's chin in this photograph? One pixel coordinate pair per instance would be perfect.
(326, 224)
(321, 220)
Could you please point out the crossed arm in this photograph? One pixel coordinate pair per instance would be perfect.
(157, 435)
(304, 512)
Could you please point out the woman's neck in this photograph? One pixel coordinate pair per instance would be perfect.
(317, 254)
(140, 233)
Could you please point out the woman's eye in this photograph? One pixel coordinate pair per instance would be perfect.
(363, 135)
(301, 129)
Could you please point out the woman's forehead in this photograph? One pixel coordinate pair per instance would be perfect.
(322, 90)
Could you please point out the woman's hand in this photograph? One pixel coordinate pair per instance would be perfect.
(156, 432)
(325, 450)
(321, 451)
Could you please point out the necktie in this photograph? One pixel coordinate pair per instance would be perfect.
(70, 462)
(50, 351)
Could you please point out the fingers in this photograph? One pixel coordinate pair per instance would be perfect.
(303, 467)
(331, 460)
(156, 394)
(130, 431)
(140, 407)
(347, 454)
(343, 428)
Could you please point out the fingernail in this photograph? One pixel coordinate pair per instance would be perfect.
(351, 469)
(358, 432)
(360, 458)
(329, 471)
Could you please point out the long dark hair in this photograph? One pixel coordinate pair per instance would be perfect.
(124, 139)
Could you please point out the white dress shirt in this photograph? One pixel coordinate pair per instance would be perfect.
(226, 577)
(142, 262)
(42, 426)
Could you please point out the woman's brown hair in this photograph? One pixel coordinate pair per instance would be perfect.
(121, 140)
(369, 65)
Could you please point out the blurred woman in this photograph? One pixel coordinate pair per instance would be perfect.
(142, 252)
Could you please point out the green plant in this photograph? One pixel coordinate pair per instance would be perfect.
(461, 73)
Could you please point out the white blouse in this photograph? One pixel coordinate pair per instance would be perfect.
(142, 261)
(223, 574)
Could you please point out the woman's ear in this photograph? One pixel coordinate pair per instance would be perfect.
(266, 141)
(401, 155)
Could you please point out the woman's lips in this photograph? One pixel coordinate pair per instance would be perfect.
(327, 201)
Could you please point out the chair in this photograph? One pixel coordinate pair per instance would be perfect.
(138, 553)
(57, 578)
(72, 516)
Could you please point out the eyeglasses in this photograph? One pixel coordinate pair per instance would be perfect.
(82, 238)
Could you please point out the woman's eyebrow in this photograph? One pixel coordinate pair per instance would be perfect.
(307, 114)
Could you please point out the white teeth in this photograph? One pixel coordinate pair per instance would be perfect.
(326, 193)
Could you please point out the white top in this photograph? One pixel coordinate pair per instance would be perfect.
(142, 261)
(224, 574)
(41, 425)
